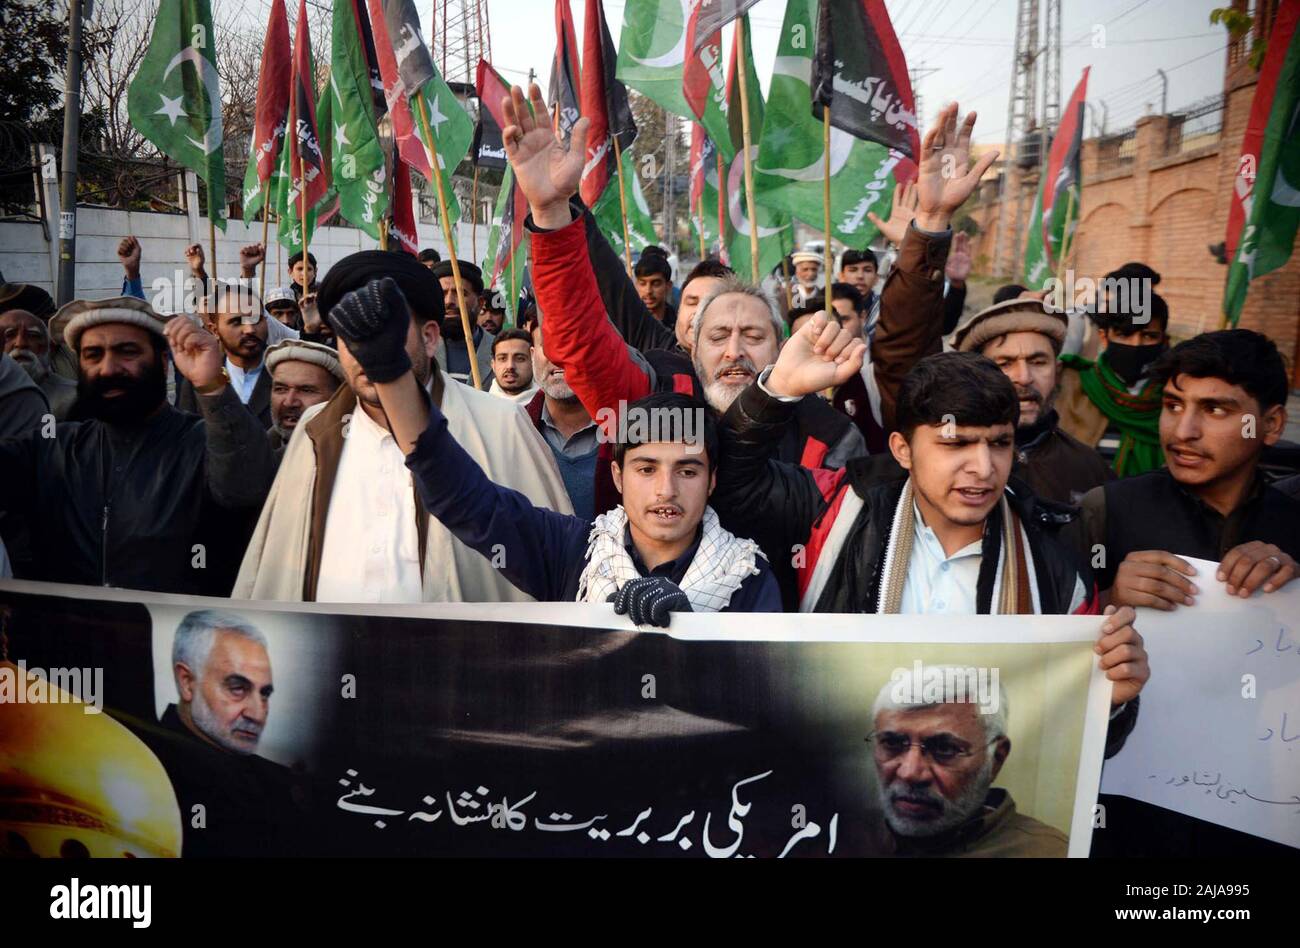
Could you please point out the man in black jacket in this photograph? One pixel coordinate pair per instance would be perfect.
(237, 318)
(948, 533)
(1223, 404)
(1023, 337)
(139, 494)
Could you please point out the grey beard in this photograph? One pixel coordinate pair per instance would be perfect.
(36, 367)
(558, 389)
(720, 395)
(207, 722)
(955, 812)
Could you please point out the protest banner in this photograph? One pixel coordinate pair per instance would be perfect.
(540, 729)
(1219, 737)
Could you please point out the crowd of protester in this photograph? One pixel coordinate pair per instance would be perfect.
(845, 444)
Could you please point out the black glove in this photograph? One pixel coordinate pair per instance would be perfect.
(373, 320)
(650, 600)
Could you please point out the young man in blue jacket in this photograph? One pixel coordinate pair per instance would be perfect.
(661, 551)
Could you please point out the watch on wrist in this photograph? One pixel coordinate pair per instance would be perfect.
(216, 386)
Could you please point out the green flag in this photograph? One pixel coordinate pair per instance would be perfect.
(1265, 214)
(504, 263)
(1037, 267)
(655, 59)
(287, 205)
(347, 127)
(609, 214)
(790, 167)
(775, 228)
(174, 100)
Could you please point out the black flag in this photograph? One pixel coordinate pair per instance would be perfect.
(488, 151)
(864, 80)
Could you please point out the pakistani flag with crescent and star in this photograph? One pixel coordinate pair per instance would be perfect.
(657, 57)
(175, 99)
(790, 167)
(348, 124)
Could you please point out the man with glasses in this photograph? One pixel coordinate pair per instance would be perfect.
(935, 765)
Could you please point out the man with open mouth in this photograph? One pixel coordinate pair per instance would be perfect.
(662, 550)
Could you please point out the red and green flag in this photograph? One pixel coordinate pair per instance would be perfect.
(271, 113)
(1056, 206)
(1264, 216)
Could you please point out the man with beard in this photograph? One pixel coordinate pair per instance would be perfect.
(137, 493)
(935, 766)
(1223, 403)
(33, 299)
(1023, 337)
(661, 551)
(492, 316)
(1116, 394)
(207, 742)
(512, 367)
(342, 522)
(26, 339)
(596, 360)
(302, 374)
(237, 318)
(451, 350)
(807, 276)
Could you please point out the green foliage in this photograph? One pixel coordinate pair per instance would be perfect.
(33, 55)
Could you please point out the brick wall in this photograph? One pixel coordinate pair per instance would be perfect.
(1165, 210)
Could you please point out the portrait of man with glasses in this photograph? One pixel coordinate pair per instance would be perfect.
(936, 760)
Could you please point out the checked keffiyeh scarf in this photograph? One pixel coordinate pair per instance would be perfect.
(720, 565)
(1136, 416)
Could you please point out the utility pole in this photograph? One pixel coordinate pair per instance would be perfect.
(670, 169)
(67, 276)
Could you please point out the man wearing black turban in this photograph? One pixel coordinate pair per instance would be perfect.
(341, 523)
(456, 357)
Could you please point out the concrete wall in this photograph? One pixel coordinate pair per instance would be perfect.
(26, 257)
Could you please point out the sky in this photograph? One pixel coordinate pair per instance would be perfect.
(969, 45)
(962, 49)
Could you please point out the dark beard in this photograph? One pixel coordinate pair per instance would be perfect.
(139, 399)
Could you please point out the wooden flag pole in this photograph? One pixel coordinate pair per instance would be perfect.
(723, 254)
(266, 229)
(826, 201)
(622, 203)
(473, 204)
(700, 214)
(745, 140)
(302, 217)
(785, 280)
(383, 233)
(1061, 261)
(451, 242)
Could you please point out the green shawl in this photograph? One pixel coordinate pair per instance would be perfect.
(1136, 416)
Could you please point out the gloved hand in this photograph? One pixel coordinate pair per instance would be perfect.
(373, 320)
(650, 600)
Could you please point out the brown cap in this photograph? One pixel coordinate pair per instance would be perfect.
(79, 315)
(1025, 314)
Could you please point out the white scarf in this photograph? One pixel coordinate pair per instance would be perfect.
(720, 565)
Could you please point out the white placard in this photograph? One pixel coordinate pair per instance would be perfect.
(1218, 736)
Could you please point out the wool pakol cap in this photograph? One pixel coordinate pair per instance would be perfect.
(79, 315)
(805, 256)
(300, 350)
(1019, 315)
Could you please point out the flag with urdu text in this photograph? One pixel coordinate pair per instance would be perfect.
(174, 100)
(348, 123)
(1264, 216)
(271, 114)
(790, 167)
